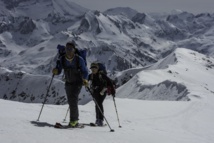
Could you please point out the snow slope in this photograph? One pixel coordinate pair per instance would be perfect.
(141, 121)
(181, 75)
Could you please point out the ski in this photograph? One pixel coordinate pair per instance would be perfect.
(60, 126)
(80, 125)
(93, 124)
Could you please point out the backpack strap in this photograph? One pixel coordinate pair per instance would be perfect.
(78, 62)
(62, 60)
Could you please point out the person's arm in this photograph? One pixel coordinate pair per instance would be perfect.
(59, 65)
(83, 68)
(109, 83)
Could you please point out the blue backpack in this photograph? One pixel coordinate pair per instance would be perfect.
(79, 52)
(102, 68)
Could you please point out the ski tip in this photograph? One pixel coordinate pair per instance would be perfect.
(92, 124)
(57, 123)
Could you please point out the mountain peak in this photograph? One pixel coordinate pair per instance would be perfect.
(40, 9)
(125, 11)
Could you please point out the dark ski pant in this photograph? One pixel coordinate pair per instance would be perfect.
(99, 99)
(72, 91)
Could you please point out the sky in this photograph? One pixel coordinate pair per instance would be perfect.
(193, 6)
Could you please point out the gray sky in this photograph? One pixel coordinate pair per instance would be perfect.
(193, 6)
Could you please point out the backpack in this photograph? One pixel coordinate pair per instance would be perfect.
(102, 68)
(80, 52)
(110, 89)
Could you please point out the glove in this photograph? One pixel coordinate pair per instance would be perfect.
(85, 82)
(111, 91)
(55, 71)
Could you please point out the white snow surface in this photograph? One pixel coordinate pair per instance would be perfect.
(141, 121)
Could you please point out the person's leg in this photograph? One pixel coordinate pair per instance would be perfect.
(96, 97)
(100, 103)
(72, 92)
(99, 114)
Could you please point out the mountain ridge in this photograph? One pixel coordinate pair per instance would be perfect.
(121, 42)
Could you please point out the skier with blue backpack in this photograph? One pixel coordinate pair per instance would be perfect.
(76, 75)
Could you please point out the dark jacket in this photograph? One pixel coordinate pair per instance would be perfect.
(74, 71)
(100, 81)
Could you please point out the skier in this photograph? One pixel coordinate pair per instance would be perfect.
(76, 75)
(99, 84)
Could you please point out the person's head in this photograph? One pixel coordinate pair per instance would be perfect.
(70, 49)
(94, 68)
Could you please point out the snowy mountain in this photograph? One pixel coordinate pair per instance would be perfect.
(24, 87)
(125, 11)
(181, 75)
(169, 79)
(41, 9)
(130, 42)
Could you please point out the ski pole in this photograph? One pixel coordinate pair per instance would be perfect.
(116, 111)
(45, 97)
(111, 130)
(66, 114)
